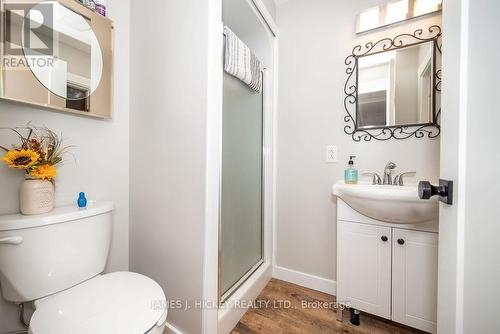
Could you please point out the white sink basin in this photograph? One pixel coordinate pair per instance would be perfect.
(392, 204)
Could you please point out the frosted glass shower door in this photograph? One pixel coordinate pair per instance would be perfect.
(240, 237)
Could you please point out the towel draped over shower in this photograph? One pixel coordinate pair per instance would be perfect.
(241, 62)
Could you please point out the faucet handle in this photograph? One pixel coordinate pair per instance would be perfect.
(398, 180)
(376, 178)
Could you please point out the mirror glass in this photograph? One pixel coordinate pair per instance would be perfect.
(396, 87)
(62, 52)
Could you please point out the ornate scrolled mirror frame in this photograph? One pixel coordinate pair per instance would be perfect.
(431, 129)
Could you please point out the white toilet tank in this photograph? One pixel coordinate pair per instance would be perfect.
(44, 254)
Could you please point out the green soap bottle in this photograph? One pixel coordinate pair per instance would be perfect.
(351, 173)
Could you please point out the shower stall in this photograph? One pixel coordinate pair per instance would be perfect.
(246, 169)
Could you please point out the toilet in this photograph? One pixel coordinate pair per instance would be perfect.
(56, 261)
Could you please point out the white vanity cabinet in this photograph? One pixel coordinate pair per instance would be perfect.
(364, 267)
(386, 269)
(414, 278)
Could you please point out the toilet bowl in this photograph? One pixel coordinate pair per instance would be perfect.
(121, 302)
(56, 261)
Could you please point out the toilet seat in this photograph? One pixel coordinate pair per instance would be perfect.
(122, 302)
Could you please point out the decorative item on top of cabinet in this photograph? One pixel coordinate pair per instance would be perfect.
(56, 55)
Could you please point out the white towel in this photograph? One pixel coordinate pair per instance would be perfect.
(241, 62)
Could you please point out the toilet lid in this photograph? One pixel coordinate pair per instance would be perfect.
(123, 302)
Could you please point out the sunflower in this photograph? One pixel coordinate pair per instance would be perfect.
(44, 172)
(22, 159)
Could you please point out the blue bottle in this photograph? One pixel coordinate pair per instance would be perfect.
(82, 201)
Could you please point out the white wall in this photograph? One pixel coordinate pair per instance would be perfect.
(168, 140)
(102, 154)
(315, 38)
(481, 294)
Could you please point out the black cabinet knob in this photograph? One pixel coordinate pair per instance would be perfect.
(384, 238)
(401, 241)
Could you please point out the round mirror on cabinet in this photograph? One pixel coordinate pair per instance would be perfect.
(63, 52)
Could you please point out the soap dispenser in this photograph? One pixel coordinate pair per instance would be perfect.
(351, 173)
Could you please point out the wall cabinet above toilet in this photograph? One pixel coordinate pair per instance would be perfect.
(56, 55)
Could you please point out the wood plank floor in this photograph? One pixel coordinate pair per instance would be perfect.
(285, 308)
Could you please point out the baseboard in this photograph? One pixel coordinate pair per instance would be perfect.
(305, 280)
(171, 329)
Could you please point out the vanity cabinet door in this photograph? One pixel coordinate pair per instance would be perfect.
(414, 278)
(364, 267)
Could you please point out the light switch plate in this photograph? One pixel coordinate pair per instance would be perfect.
(332, 154)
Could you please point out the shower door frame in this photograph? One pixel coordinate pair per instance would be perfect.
(217, 318)
(255, 267)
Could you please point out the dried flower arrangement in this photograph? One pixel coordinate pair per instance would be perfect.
(38, 154)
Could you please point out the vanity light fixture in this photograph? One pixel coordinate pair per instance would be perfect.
(393, 12)
(423, 7)
(368, 20)
(396, 11)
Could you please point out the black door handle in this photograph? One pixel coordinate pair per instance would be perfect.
(401, 241)
(445, 191)
(384, 238)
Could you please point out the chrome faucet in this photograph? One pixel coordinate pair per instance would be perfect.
(388, 172)
(388, 180)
